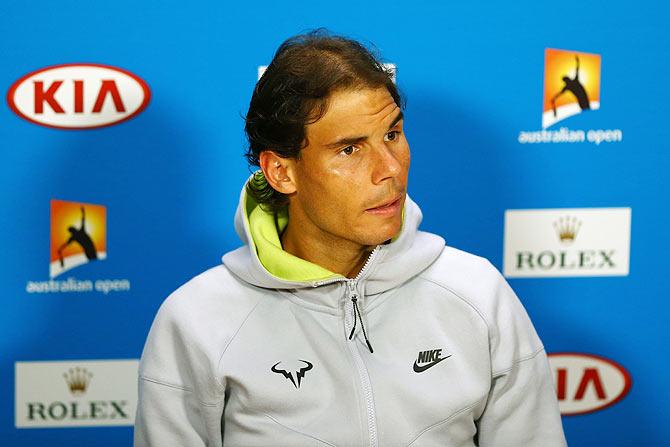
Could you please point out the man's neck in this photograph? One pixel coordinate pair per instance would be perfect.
(344, 257)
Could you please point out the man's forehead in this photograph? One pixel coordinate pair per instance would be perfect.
(363, 103)
(349, 110)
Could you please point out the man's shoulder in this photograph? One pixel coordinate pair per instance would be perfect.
(193, 327)
(453, 264)
(212, 280)
(470, 277)
(213, 294)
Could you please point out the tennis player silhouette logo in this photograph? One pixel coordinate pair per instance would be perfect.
(571, 84)
(81, 237)
(575, 87)
(77, 235)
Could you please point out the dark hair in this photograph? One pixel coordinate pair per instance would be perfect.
(294, 92)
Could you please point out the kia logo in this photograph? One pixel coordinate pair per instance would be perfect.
(586, 383)
(78, 96)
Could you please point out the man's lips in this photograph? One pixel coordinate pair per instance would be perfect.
(388, 207)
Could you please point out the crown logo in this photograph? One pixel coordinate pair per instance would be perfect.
(77, 380)
(567, 228)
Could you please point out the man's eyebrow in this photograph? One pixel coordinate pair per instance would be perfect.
(353, 140)
(396, 119)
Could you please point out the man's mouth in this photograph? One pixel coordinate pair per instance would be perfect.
(387, 208)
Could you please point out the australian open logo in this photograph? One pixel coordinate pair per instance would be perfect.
(571, 87)
(78, 236)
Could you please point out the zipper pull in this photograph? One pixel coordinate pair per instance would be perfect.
(357, 314)
(357, 311)
(354, 298)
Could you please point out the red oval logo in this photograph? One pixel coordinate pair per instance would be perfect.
(78, 96)
(586, 383)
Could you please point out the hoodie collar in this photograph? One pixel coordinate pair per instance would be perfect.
(263, 263)
(265, 228)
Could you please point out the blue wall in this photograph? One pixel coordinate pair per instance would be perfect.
(473, 77)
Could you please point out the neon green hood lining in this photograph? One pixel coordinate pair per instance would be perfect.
(265, 228)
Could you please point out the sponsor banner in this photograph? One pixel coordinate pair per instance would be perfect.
(80, 393)
(78, 96)
(567, 242)
(571, 84)
(571, 87)
(586, 383)
(78, 236)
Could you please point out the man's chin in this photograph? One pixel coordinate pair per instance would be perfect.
(383, 235)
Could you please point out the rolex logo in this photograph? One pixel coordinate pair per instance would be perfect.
(561, 242)
(77, 380)
(567, 228)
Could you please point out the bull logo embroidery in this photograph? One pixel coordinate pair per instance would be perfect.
(299, 374)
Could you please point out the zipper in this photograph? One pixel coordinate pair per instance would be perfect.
(373, 254)
(362, 370)
(357, 316)
(371, 257)
(353, 347)
(358, 361)
(353, 296)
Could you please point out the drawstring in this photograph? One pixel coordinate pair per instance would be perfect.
(357, 314)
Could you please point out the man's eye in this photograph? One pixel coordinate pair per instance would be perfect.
(392, 135)
(348, 150)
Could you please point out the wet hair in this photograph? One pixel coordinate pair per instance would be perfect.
(294, 91)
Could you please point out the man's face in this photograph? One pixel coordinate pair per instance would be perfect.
(352, 177)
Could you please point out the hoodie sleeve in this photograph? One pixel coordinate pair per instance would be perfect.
(521, 409)
(180, 402)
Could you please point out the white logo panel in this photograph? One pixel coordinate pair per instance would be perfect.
(567, 242)
(75, 393)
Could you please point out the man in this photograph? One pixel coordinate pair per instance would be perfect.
(338, 322)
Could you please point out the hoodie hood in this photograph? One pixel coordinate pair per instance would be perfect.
(262, 262)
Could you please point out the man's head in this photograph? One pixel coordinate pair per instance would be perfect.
(325, 126)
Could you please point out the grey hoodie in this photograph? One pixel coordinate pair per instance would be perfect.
(240, 357)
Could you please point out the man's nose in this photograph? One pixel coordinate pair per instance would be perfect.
(386, 164)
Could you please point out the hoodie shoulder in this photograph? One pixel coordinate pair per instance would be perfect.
(194, 326)
(476, 281)
(214, 292)
(470, 277)
(463, 272)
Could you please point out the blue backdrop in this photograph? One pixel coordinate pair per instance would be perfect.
(473, 76)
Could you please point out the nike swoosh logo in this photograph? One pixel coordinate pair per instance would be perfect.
(422, 368)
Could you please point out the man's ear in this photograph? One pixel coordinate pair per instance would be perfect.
(278, 171)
